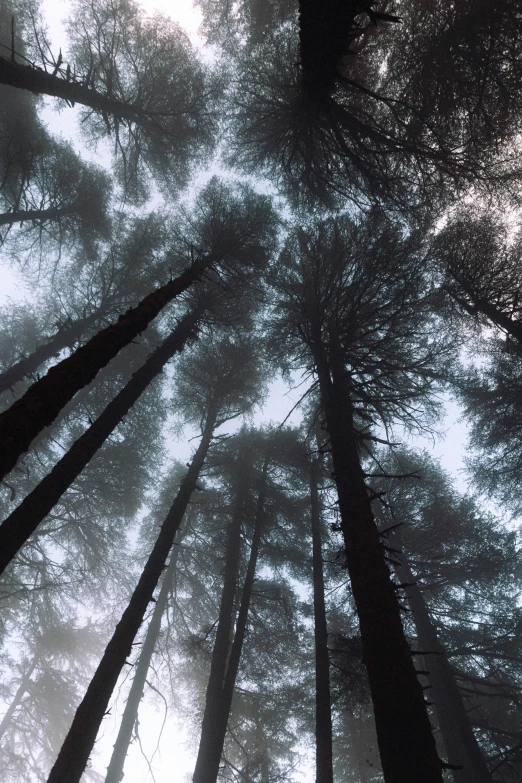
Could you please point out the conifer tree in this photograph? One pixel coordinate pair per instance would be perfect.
(353, 308)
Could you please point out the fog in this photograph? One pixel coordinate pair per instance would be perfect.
(259, 383)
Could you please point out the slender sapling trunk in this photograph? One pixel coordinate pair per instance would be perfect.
(323, 711)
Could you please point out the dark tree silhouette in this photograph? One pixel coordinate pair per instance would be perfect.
(349, 103)
(353, 308)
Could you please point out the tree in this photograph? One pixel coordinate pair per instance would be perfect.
(353, 309)
(229, 642)
(481, 265)
(85, 294)
(54, 666)
(237, 232)
(452, 560)
(24, 520)
(231, 377)
(317, 110)
(323, 715)
(140, 82)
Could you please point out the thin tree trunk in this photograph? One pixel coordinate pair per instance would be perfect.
(213, 738)
(22, 688)
(225, 628)
(42, 215)
(63, 339)
(323, 711)
(362, 764)
(23, 521)
(406, 743)
(79, 742)
(130, 713)
(26, 77)
(460, 742)
(42, 402)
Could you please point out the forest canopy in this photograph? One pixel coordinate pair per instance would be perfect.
(255, 268)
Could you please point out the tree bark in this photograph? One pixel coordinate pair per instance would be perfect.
(23, 521)
(79, 742)
(39, 82)
(130, 713)
(42, 402)
(406, 743)
(41, 215)
(211, 744)
(63, 339)
(323, 711)
(22, 688)
(460, 742)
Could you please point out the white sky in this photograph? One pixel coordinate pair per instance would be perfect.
(175, 762)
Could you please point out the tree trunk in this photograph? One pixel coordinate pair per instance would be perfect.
(63, 339)
(37, 81)
(42, 402)
(242, 617)
(130, 713)
(23, 521)
(79, 742)
(22, 688)
(460, 742)
(406, 743)
(209, 746)
(323, 712)
(41, 215)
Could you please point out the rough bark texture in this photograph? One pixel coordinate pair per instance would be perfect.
(18, 526)
(63, 339)
(323, 711)
(17, 698)
(406, 743)
(39, 82)
(40, 215)
(130, 713)
(211, 744)
(42, 402)
(78, 744)
(460, 742)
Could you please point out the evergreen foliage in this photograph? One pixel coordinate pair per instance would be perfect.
(322, 194)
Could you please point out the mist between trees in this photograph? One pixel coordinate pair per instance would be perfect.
(331, 195)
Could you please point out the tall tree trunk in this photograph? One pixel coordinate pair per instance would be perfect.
(323, 711)
(79, 742)
(63, 339)
(41, 215)
(242, 617)
(362, 764)
(23, 521)
(130, 713)
(22, 688)
(42, 402)
(212, 734)
(26, 77)
(406, 743)
(460, 742)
